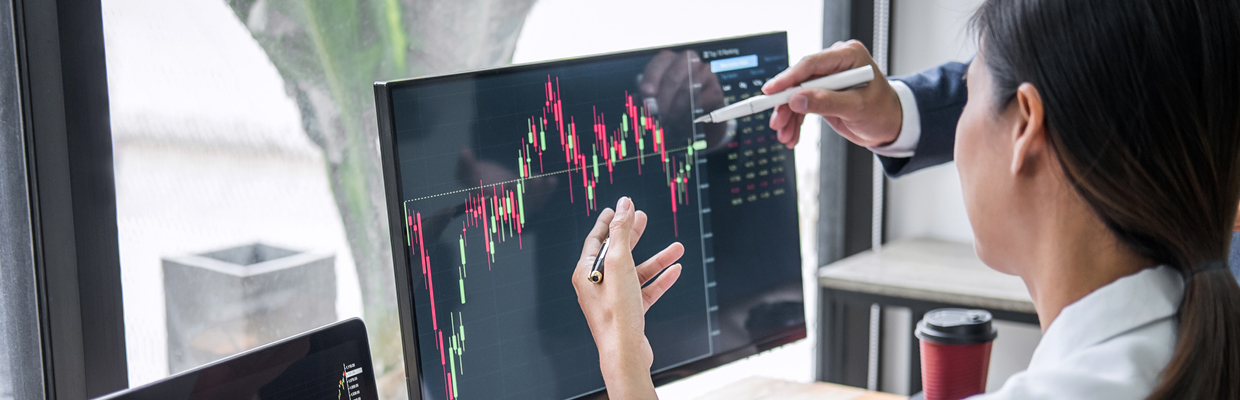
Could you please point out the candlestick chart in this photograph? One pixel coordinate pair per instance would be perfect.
(340, 388)
(619, 140)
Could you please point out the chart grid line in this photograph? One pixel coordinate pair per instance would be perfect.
(536, 176)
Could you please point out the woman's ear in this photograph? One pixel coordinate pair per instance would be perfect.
(1030, 128)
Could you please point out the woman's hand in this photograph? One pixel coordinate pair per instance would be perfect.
(868, 116)
(616, 308)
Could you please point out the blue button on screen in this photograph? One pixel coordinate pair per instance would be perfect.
(734, 63)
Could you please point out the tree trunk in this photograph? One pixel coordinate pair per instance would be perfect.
(330, 54)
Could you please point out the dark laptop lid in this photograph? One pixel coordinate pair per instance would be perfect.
(332, 362)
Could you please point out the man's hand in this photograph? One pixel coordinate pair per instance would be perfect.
(868, 116)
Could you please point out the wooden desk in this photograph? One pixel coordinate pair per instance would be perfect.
(920, 274)
(774, 389)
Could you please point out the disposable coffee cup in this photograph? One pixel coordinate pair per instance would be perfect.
(955, 352)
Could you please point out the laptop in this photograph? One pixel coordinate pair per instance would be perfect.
(332, 362)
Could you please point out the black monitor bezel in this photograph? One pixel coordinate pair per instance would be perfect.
(404, 283)
(328, 336)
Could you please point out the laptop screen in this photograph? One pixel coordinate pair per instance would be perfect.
(332, 362)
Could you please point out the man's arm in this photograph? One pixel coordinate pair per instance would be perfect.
(910, 121)
(939, 95)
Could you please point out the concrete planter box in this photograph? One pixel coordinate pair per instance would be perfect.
(227, 301)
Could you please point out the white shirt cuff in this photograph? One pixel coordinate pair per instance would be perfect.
(910, 130)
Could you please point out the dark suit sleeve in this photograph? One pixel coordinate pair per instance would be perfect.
(940, 94)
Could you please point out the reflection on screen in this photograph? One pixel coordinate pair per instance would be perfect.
(503, 172)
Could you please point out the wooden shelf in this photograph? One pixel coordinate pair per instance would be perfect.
(928, 270)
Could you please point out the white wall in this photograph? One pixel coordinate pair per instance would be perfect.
(928, 203)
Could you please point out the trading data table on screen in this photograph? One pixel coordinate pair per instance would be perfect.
(334, 373)
(504, 172)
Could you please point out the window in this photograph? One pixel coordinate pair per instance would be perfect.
(244, 134)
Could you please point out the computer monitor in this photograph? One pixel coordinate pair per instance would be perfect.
(332, 362)
(493, 179)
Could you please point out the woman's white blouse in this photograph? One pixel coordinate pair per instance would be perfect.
(1110, 344)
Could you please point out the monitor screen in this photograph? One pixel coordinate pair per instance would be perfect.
(495, 177)
(332, 362)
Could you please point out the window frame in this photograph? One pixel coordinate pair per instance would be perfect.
(63, 89)
(846, 197)
(20, 354)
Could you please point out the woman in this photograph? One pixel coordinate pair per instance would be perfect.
(1099, 155)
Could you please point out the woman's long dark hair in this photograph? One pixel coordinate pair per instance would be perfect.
(1142, 105)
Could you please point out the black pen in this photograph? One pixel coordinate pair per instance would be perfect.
(596, 273)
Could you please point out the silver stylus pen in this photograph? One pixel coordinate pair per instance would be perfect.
(596, 273)
(757, 104)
